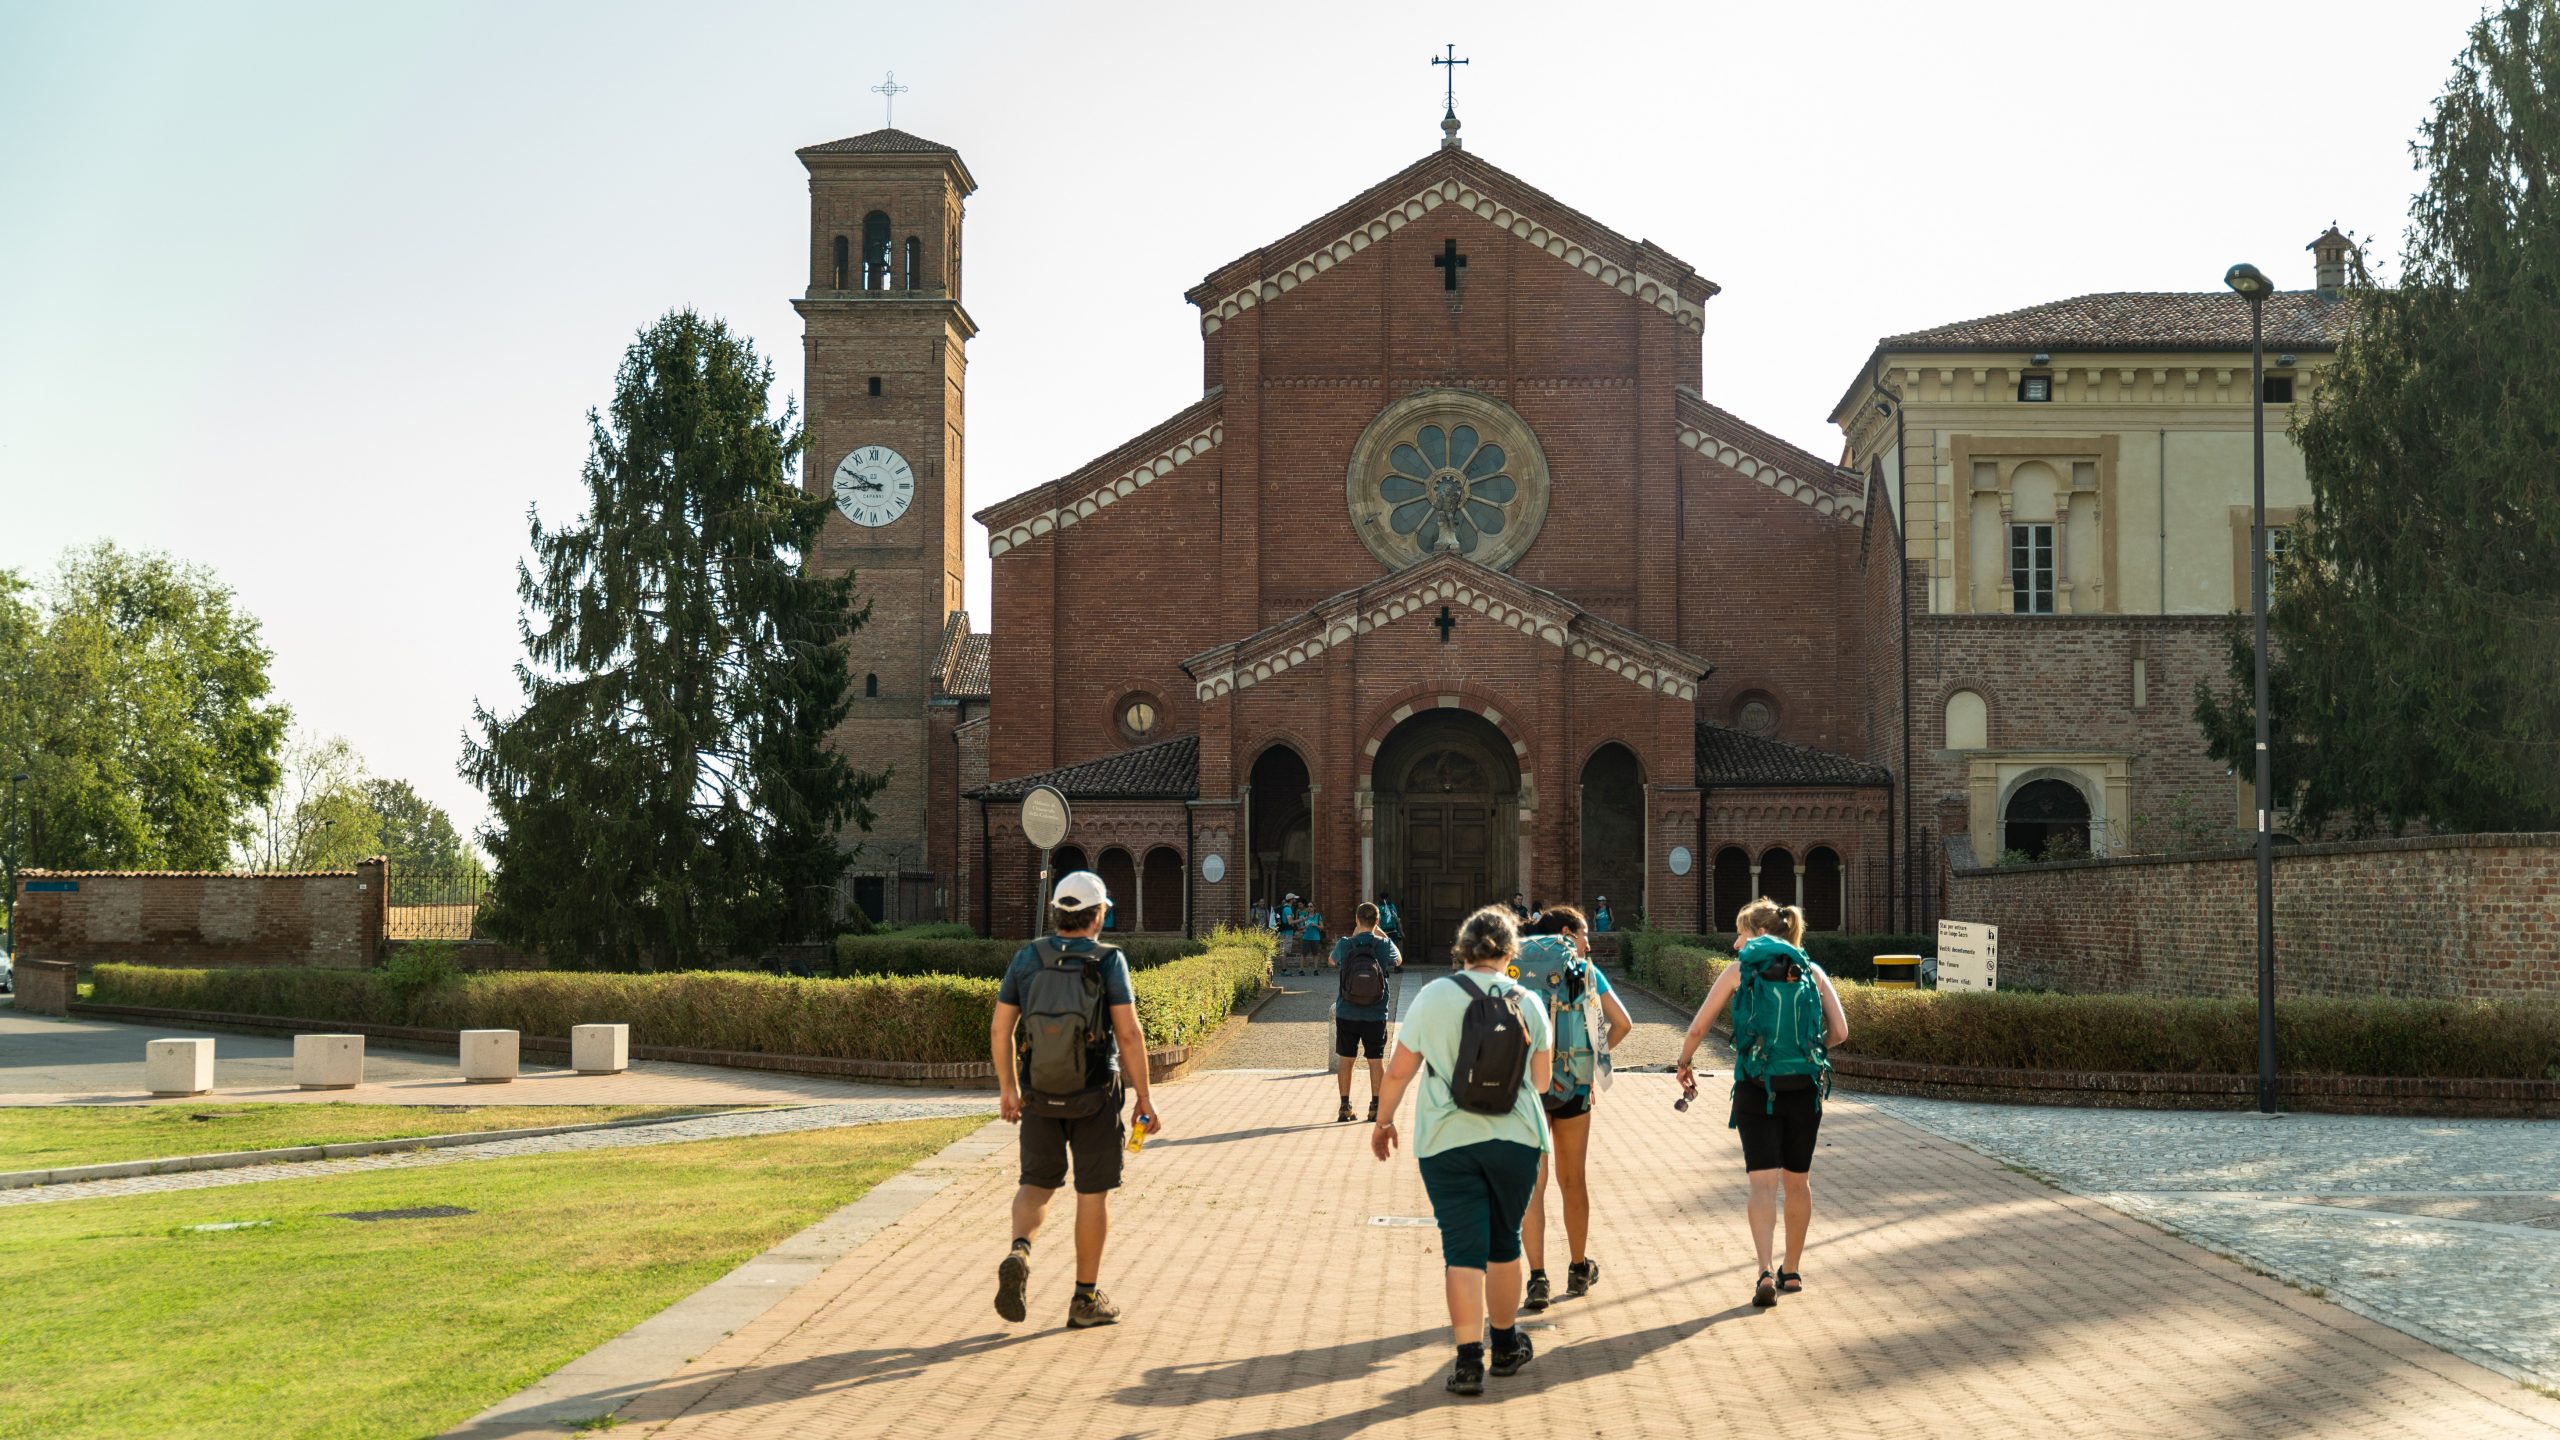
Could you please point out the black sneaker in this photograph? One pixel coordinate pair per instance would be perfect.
(1012, 1277)
(1466, 1377)
(1508, 1362)
(1541, 1294)
(1373, 1109)
(1580, 1276)
(1344, 1116)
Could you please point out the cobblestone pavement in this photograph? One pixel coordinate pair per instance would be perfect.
(99, 1062)
(921, 1105)
(1946, 1295)
(2445, 1229)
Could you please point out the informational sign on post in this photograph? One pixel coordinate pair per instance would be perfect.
(1045, 817)
(1968, 956)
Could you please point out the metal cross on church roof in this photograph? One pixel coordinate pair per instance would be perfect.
(889, 90)
(1449, 98)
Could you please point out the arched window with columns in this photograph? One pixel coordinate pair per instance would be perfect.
(1733, 888)
(1120, 876)
(1778, 878)
(1826, 892)
(1160, 899)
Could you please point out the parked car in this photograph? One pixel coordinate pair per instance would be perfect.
(7, 985)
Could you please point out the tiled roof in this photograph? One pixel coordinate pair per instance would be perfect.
(880, 142)
(2128, 320)
(1166, 770)
(967, 677)
(1730, 757)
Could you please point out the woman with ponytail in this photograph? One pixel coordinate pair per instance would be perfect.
(1786, 1018)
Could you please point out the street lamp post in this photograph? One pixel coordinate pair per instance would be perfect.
(9, 942)
(2253, 286)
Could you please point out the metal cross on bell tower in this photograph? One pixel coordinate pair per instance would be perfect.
(1449, 100)
(889, 90)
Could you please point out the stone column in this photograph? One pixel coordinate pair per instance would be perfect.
(2062, 550)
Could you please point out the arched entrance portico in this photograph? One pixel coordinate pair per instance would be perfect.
(1446, 793)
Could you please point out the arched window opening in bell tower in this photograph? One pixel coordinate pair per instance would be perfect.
(915, 263)
(844, 260)
(871, 687)
(875, 251)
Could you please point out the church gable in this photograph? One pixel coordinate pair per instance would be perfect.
(1727, 439)
(1098, 484)
(1454, 178)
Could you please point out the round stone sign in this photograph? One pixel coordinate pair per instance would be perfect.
(1045, 817)
(1214, 869)
(1679, 859)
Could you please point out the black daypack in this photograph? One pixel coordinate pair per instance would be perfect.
(1064, 1020)
(1364, 975)
(1493, 1051)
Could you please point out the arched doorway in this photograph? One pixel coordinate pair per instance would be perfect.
(1120, 876)
(1613, 830)
(1826, 891)
(1732, 887)
(1282, 833)
(1446, 795)
(1160, 906)
(2047, 820)
(1778, 876)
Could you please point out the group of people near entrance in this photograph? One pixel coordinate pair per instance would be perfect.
(1507, 1055)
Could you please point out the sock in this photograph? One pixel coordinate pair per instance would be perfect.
(1505, 1341)
(1021, 1245)
(1471, 1354)
(1085, 1289)
(1537, 1274)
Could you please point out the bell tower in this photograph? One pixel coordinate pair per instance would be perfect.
(885, 340)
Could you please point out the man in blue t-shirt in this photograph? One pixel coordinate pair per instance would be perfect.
(1601, 920)
(1090, 1133)
(1362, 1024)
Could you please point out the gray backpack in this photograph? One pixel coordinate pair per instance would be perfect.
(1064, 1020)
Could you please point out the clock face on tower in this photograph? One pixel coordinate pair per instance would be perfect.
(874, 485)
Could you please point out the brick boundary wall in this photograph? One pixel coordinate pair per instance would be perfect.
(205, 917)
(2440, 917)
(44, 987)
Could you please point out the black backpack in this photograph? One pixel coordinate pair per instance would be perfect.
(1493, 1051)
(1364, 975)
(1064, 1021)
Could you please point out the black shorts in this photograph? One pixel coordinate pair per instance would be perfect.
(1573, 1109)
(1350, 1037)
(1095, 1141)
(1782, 1139)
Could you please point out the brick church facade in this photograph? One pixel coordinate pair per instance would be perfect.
(1549, 621)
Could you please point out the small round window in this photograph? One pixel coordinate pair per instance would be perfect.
(1756, 715)
(1138, 717)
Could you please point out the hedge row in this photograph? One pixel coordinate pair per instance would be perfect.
(905, 955)
(930, 1019)
(2026, 1030)
(1843, 957)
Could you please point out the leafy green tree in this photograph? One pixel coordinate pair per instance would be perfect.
(316, 818)
(135, 696)
(2419, 610)
(427, 854)
(664, 797)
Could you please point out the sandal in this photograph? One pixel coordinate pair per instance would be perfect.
(1765, 1294)
(1791, 1282)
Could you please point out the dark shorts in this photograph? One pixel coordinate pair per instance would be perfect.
(1575, 1108)
(1094, 1141)
(1782, 1139)
(1478, 1193)
(1350, 1037)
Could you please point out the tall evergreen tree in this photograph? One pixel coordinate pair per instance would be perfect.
(664, 797)
(2419, 612)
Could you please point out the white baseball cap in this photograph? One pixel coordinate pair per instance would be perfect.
(1080, 890)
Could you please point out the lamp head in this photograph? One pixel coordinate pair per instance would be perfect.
(17, 775)
(2249, 282)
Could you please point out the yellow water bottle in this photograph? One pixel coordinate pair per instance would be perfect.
(1139, 1125)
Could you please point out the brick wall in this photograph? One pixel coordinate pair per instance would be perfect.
(2444, 916)
(43, 987)
(204, 917)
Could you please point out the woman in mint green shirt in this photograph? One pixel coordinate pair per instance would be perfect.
(1478, 1169)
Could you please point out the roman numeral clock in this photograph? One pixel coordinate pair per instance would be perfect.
(874, 485)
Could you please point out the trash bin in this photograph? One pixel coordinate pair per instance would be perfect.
(1898, 972)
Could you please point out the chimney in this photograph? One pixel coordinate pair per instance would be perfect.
(2329, 262)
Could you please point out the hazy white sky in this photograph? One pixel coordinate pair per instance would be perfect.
(319, 295)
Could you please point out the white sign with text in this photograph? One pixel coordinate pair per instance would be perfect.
(1968, 956)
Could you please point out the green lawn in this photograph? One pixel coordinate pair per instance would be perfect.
(121, 1321)
(49, 1138)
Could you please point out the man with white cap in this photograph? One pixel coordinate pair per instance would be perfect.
(1065, 1015)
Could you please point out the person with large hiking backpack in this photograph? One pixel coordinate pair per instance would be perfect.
(1482, 1044)
(1365, 964)
(1065, 1015)
(1786, 1018)
(1555, 965)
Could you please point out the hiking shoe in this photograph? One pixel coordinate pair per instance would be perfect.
(1508, 1362)
(1012, 1277)
(1580, 1276)
(1344, 1114)
(1086, 1311)
(1373, 1109)
(1466, 1377)
(1541, 1294)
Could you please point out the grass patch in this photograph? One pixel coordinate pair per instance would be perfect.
(122, 1322)
(47, 1139)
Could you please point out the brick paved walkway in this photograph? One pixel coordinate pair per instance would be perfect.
(1947, 1295)
(1294, 1029)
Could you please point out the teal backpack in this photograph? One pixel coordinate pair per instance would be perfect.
(1777, 1021)
(1551, 969)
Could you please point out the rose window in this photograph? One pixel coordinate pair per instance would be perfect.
(1448, 489)
(1448, 471)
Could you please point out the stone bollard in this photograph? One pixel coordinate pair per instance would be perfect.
(177, 1067)
(488, 1056)
(599, 1049)
(328, 1062)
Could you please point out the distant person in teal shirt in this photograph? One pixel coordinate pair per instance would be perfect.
(1359, 1024)
(1601, 920)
